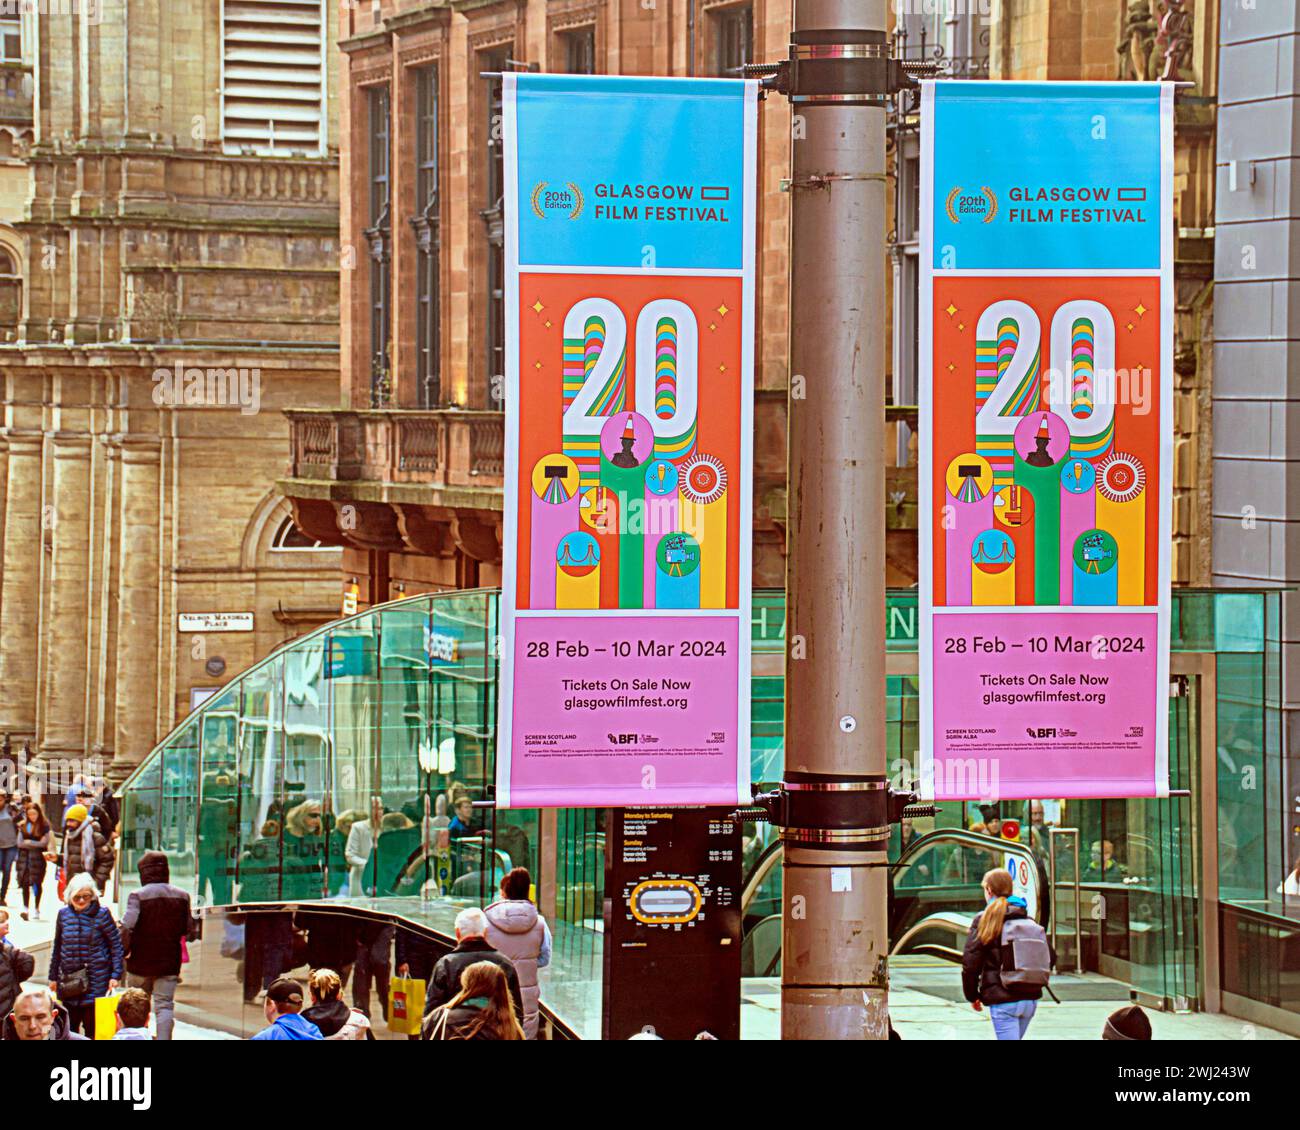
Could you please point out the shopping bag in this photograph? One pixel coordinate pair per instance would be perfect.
(405, 1005)
(106, 1015)
(63, 882)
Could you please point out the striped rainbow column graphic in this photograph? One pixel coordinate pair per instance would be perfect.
(992, 359)
(580, 357)
(1082, 369)
(666, 369)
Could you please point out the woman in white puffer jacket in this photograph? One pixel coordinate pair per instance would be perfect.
(516, 929)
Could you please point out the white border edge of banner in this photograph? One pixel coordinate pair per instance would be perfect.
(745, 593)
(508, 599)
(925, 453)
(1165, 536)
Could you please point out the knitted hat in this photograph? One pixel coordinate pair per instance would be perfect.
(1129, 1023)
(76, 813)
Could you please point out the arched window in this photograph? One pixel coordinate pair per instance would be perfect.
(289, 539)
(11, 294)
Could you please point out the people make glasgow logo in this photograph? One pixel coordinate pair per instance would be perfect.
(983, 203)
(566, 200)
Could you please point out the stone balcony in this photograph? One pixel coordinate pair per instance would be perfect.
(398, 480)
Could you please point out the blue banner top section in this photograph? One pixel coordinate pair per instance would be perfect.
(1053, 176)
(630, 172)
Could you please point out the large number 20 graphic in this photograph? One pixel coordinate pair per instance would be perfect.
(1081, 375)
(667, 370)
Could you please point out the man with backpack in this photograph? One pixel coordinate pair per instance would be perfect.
(1007, 961)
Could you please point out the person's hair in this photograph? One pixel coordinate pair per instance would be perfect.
(487, 979)
(999, 883)
(325, 985)
(40, 993)
(270, 828)
(133, 1008)
(295, 820)
(471, 922)
(4, 915)
(395, 822)
(42, 825)
(78, 883)
(343, 825)
(517, 884)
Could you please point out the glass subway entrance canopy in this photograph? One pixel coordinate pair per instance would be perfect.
(389, 716)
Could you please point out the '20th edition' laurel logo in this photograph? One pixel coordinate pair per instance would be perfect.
(567, 199)
(983, 203)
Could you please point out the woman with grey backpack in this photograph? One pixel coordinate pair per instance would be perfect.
(1007, 960)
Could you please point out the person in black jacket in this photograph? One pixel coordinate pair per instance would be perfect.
(471, 946)
(1011, 1008)
(16, 966)
(482, 1010)
(157, 920)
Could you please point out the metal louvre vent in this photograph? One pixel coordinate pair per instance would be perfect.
(273, 76)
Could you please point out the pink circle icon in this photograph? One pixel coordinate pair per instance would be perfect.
(627, 439)
(1042, 439)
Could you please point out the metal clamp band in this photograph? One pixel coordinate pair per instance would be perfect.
(836, 836)
(833, 786)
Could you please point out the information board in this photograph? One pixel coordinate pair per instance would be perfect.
(625, 605)
(1046, 366)
(672, 923)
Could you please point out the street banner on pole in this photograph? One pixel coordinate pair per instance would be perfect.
(1046, 366)
(625, 592)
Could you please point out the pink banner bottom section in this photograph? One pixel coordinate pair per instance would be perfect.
(1052, 704)
(625, 710)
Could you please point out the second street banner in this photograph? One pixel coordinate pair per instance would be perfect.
(625, 604)
(1046, 361)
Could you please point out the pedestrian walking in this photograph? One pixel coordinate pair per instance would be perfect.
(85, 848)
(516, 929)
(483, 1009)
(331, 1014)
(10, 818)
(374, 962)
(86, 959)
(155, 926)
(33, 851)
(16, 966)
(1005, 965)
(471, 946)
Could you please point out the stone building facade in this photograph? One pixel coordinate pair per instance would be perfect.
(179, 265)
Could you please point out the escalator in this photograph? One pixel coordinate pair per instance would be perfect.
(935, 893)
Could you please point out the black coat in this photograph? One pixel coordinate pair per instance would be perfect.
(31, 856)
(156, 921)
(445, 981)
(16, 966)
(459, 1024)
(981, 968)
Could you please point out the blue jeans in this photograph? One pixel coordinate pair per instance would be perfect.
(8, 857)
(1011, 1020)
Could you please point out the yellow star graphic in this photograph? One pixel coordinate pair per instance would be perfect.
(951, 367)
(1139, 309)
(537, 364)
(961, 325)
(951, 310)
(538, 307)
(722, 368)
(548, 323)
(713, 325)
(1129, 327)
(722, 310)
